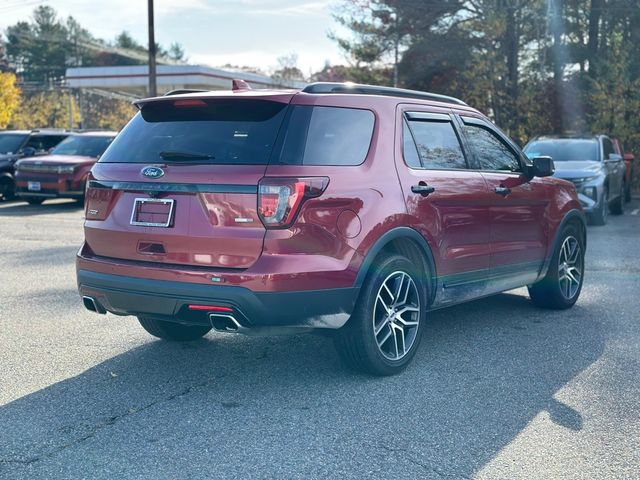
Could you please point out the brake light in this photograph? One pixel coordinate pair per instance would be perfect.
(279, 199)
(97, 201)
(210, 308)
(190, 102)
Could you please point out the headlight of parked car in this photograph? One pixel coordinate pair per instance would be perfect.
(66, 169)
(591, 192)
(585, 179)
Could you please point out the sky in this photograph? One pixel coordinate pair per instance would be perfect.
(213, 32)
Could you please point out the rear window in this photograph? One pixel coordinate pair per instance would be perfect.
(83, 145)
(326, 136)
(217, 132)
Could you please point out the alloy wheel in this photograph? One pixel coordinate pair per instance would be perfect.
(570, 267)
(396, 315)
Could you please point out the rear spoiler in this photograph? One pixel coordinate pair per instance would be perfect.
(238, 87)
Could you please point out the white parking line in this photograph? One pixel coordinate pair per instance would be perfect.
(635, 212)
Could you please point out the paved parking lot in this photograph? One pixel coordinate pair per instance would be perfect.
(498, 389)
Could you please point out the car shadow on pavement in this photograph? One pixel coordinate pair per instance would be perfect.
(18, 208)
(283, 407)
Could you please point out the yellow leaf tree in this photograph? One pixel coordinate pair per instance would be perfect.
(9, 97)
(46, 109)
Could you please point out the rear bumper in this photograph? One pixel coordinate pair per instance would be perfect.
(169, 300)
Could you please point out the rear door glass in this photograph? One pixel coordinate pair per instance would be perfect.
(437, 144)
(220, 132)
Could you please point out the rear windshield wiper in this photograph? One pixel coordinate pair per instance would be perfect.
(187, 155)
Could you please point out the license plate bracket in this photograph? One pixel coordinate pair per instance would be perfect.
(152, 212)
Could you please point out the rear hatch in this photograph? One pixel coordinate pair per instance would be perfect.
(179, 183)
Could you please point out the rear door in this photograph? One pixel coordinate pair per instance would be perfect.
(519, 229)
(446, 199)
(179, 183)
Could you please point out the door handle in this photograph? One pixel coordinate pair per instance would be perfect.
(423, 189)
(503, 191)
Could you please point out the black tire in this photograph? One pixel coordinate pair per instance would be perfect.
(174, 332)
(599, 217)
(356, 342)
(627, 192)
(617, 206)
(550, 292)
(34, 200)
(7, 188)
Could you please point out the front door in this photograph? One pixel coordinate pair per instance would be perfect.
(446, 201)
(518, 207)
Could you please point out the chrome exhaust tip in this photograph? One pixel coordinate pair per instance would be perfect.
(225, 323)
(91, 304)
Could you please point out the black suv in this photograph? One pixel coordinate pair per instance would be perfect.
(17, 144)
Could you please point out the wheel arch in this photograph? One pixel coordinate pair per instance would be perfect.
(573, 216)
(407, 242)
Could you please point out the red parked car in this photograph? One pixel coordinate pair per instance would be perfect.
(350, 208)
(64, 172)
(630, 168)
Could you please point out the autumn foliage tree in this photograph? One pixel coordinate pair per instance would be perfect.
(9, 97)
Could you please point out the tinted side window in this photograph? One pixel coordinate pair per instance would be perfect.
(607, 147)
(490, 151)
(438, 144)
(327, 136)
(45, 142)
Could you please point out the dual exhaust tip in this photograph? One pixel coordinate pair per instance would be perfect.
(225, 323)
(92, 304)
(221, 322)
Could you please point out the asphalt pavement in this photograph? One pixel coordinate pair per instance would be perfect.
(498, 389)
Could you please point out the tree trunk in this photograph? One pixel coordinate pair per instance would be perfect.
(595, 13)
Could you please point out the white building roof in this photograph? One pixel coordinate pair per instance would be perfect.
(134, 79)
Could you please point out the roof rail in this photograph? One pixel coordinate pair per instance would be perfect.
(179, 91)
(355, 88)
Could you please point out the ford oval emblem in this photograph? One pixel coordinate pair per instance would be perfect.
(152, 172)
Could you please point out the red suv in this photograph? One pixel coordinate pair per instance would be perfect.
(352, 208)
(64, 172)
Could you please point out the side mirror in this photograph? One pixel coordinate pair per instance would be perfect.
(29, 151)
(614, 157)
(541, 167)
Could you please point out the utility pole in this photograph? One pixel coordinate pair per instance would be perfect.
(153, 91)
(396, 47)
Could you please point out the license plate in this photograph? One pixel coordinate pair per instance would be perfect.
(33, 186)
(152, 212)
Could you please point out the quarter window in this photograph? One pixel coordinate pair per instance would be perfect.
(607, 148)
(327, 136)
(437, 145)
(490, 151)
